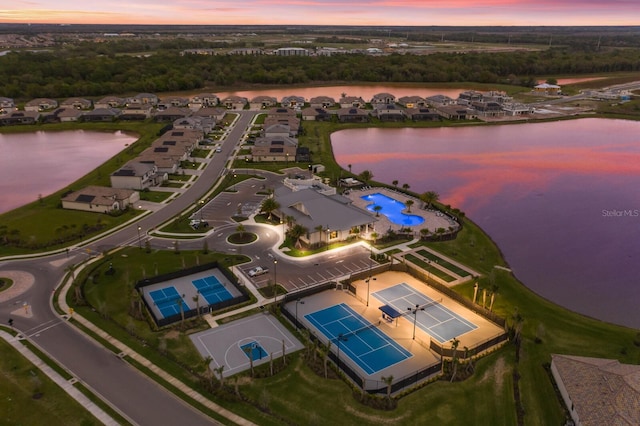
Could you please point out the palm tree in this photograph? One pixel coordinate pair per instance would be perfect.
(395, 184)
(374, 236)
(366, 176)
(406, 186)
(268, 206)
(494, 291)
(296, 232)
(349, 165)
(454, 357)
(518, 322)
(377, 209)
(388, 380)
(325, 359)
(219, 371)
(319, 229)
(429, 198)
(240, 230)
(207, 372)
(180, 302)
(409, 203)
(196, 299)
(424, 232)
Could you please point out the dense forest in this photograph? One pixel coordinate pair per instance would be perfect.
(98, 70)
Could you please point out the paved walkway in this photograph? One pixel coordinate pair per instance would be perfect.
(66, 385)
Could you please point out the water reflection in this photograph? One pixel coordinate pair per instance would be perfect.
(540, 190)
(44, 162)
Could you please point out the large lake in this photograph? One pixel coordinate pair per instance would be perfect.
(45, 162)
(561, 199)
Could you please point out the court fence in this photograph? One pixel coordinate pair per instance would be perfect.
(371, 386)
(187, 314)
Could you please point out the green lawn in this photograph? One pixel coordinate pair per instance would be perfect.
(28, 397)
(450, 266)
(429, 268)
(155, 196)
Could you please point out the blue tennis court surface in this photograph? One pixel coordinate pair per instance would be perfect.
(212, 289)
(436, 320)
(253, 348)
(167, 300)
(357, 338)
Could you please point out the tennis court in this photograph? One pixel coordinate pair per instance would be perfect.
(168, 301)
(367, 346)
(212, 289)
(431, 316)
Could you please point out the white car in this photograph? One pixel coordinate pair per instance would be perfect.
(258, 270)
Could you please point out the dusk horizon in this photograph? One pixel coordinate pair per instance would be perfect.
(331, 12)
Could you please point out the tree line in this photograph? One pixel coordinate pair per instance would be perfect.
(66, 73)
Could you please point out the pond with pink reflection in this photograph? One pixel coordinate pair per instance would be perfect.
(40, 163)
(561, 199)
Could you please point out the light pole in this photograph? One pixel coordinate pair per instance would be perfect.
(275, 279)
(234, 181)
(328, 235)
(367, 281)
(298, 300)
(139, 240)
(201, 208)
(415, 318)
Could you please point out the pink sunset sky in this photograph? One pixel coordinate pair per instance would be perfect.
(324, 12)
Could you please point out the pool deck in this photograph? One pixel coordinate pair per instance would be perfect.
(432, 219)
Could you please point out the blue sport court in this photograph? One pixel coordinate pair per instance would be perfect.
(212, 289)
(357, 338)
(436, 320)
(253, 350)
(166, 300)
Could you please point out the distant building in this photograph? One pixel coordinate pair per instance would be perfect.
(291, 51)
(547, 89)
(100, 199)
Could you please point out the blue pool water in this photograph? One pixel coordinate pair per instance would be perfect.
(392, 209)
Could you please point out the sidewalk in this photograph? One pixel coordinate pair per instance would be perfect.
(66, 385)
(126, 351)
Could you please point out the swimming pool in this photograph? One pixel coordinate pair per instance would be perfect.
(392, 209)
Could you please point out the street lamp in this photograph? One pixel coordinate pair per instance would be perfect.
(298, 300)
(139, 240)
(415, 318)
(328, 236)
(201, 208)
(234, 181)
(275, 279)
(367, 281)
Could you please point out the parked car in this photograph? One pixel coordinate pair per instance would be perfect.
(258, 270)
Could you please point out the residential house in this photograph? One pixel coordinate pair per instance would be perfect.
(77, 103)
(383, 99)
(203, 124)
(263, 102)
(547, 89)
(172, 101)
(327, 218)
(110, 102)
(488, 109)
(453, 112)
(216, 114)
(274, 148)
(143, 99)
(137, 112)
(598, 391)
(282, 113)
(421, 114)
(293, 123)
(322, 102)
(412, 102)
(498, 96)
(101, 115)
(66, 115)
(6, 105)
(468, 97)
(19, 117)
(247, 51)
(296, 102)
(100, 199)
(277, 130)
(388, 112)
(203, 100)
(316, 114)
(171, 114)
(41, 104)
(234, 102)
(352, 115)
(515, 108)
(352, 102)
(137, 175)
(440, 100)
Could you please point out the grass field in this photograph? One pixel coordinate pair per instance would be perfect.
(450, 266)
(28, 397)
